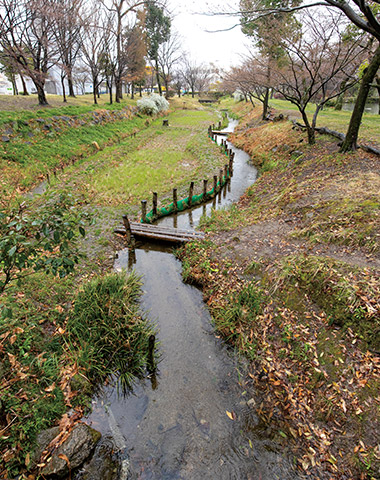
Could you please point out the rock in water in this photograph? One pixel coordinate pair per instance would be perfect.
(76, 448)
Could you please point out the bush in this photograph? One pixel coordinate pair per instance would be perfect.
(152, 105)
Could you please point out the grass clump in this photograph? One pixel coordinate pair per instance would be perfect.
(235, 319)
(107, 329)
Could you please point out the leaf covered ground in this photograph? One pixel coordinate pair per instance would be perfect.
(291, 277)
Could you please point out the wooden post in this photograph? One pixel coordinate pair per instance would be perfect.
(220, 179)
(230, 166)
(226, 171)
(191, 191)
(205, 189)
(154, 203)
(48, 177)
(127, 227)
(55, 173)
(143, 210)
(215, 184)
(175, 201)
(165, 123)
(219, 125)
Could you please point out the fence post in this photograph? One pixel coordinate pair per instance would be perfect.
(220, 179)
(175, 201)
(191, 191)
(215, 184)
(204, 190)
(226, 171)
(154, 204)
(127, 227)
(143, 210)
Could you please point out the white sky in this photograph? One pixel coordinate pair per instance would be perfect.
(222, 48)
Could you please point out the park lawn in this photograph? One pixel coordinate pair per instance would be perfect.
(18, 107)
(159, 159)
(336, 120)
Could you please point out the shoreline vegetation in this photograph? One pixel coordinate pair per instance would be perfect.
(290, 273)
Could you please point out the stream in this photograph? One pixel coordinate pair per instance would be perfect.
(178, 424)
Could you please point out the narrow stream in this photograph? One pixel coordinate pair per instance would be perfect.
(177, 426)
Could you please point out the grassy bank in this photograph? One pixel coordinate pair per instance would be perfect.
(67, 334)
(291, 277)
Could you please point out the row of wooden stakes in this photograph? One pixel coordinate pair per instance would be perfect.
(225, 172)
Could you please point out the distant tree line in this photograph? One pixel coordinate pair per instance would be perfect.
(117, 43)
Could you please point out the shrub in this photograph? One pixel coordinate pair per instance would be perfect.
(152, 105)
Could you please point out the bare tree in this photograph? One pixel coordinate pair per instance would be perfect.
(169, 54)
(67, 32)
(196, 76)
(252, 79)
(363, 14)
(121, 11)
(317, 66)
(27, 38)
(93, 40)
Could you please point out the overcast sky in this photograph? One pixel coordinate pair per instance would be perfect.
(222, 48)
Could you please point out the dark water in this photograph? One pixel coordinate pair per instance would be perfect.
(178, 425)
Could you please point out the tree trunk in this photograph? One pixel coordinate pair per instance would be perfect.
(378, 91)
(63, 90)
(158, 78)
(140, 90)
(118, 89)
(41, 94)
(25, 90)
(265, 104)
(71, 85)
(94, 93)
(14, 85)
(310, 130)
(132, 91)
(110, 91)
(350, 142)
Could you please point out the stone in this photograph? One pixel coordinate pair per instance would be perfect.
(40, 120)
(5, 138)
(47, 126)
(42, 441)
(9, 131)
(30, 134)
(103, 464)
(77, 448)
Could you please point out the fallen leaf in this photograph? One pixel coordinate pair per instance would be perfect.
(231, 415)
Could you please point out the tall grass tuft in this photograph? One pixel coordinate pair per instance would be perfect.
(107, 328)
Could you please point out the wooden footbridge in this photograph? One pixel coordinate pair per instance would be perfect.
(156, 232)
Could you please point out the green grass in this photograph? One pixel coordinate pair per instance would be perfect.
(337, 120)
(26, 108)
(158, 160)
(22, 163)
(106, 330)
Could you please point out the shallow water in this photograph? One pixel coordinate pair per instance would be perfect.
(177, 425)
